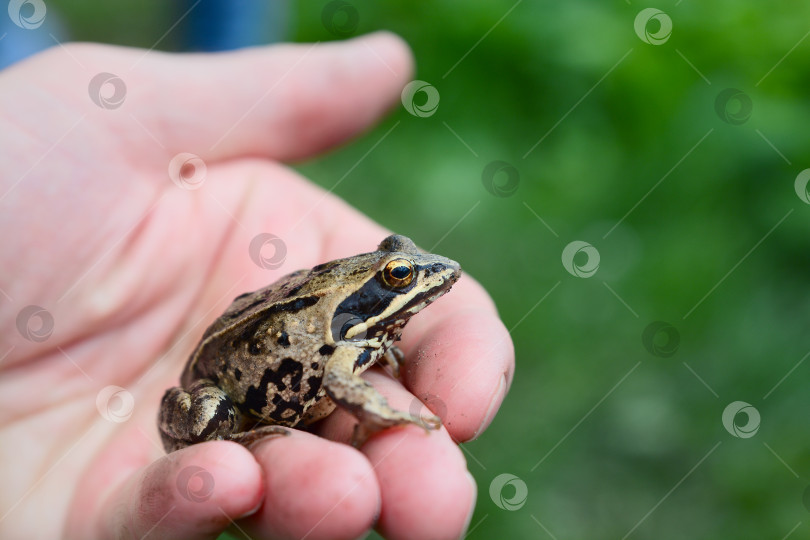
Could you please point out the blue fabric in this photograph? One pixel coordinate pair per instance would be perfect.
(29, 26)
(26, 28)
(218, 25)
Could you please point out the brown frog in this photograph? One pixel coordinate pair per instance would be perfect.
(286, 355)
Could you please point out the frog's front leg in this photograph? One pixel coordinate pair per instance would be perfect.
(393, 359)
(360, 398)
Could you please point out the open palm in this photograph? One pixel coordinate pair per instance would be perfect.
(121, 246)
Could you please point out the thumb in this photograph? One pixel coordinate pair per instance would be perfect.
(284, 102)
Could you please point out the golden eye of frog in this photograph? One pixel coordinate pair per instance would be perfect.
(286, 355)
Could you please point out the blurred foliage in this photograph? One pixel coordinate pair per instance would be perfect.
(709, 237)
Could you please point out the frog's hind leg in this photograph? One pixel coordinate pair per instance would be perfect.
(351, 392)
(322, 408)
(205, 413)
(202, 413)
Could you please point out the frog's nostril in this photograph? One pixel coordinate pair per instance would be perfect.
(437, 267)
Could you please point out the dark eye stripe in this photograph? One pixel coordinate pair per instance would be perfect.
(368, 301)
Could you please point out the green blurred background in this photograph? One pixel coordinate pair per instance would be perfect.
(686, 192)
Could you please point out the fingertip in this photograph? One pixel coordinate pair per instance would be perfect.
(494, 403)
(465, 363)
(235, 483)
(192, 493)
(426, 489)
(424, 483)
(315, 489)
(392, 49)
(339, 91)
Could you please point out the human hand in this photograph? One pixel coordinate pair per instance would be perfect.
(131, 268)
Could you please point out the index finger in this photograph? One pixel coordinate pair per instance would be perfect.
(459, 359)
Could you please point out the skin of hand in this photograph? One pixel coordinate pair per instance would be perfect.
(131, 268)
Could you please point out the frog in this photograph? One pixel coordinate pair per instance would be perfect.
(287, 355)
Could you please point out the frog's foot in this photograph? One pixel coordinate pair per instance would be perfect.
(360, 398)
(202, 413)
(249, 438)
(393, 359)
(369, 425)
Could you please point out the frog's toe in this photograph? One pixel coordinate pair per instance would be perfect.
(364, 430)
(249, 438)
(393, 359)
(430, 422)
(372, 424)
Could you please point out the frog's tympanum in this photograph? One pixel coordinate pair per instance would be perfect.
(286, 355)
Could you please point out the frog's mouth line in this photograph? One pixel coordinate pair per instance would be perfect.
(420, 302)
(397, 320)
(428, 297)
(410, 309)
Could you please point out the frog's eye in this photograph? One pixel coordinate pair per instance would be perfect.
(398, 273)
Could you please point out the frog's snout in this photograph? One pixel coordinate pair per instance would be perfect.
(442, 273)
(456, 271)
(450, 268)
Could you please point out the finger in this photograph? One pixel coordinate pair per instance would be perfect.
(426, 489)
(459, 359)
(285, 102)
(194, 493)
(314, 489)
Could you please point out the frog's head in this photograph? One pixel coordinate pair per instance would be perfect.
(392, 284)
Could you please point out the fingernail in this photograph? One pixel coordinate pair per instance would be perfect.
(497, 399)
(472, 508)
(252, 510)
